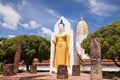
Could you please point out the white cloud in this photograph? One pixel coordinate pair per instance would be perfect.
(55, 14)
(34, 24)
(71, 20)
(10, 18)
(11, 36)
(21, 6)
(32, 34)
(31, 25)
(101, 8)
(52, 12)
(98, 7)
(80, 1)
(46, 31)
(25, 25)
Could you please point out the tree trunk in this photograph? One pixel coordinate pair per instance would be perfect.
(118, 65)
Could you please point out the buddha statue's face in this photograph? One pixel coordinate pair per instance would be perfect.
(61, 28)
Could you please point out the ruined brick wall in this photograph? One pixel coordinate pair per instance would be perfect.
(17, 57)
(95, 56)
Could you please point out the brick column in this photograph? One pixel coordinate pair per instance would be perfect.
(95, 55)
(17, 57)
(33, 69)
(62, 72)
(76, 70)
(8, 70)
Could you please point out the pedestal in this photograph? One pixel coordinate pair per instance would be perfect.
(62, 72)
(96, 72)
(76, 70)
(33, 69)
(8, 70)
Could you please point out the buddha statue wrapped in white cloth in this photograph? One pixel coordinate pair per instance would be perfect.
(61, 43)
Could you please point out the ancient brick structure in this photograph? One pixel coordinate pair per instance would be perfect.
(76, 70)
(8, 70)
(17, 57)
(33, 69)
(95, 55)
(62, 72)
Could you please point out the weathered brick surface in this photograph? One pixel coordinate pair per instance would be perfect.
(95, 55)
(8, 70)
(17, 57)
(9, 78)
(76, 70)
(62, 72)
(33, 69)
(42, 76)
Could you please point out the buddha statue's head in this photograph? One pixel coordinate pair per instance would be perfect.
(61, 27)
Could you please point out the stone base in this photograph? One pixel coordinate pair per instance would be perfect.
(8, 70)
(62, 72)
(96, 72)
(33, 69)
(76, 70)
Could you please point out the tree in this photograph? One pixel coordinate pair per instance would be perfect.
(32, 47)
(110, 41)
(1, 54)
(2, 39)
(35, 47)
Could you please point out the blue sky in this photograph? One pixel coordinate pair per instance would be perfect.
(39, 16)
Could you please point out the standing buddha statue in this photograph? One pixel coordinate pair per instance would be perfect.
(61, 43)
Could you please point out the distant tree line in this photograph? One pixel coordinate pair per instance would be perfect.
(32, 47)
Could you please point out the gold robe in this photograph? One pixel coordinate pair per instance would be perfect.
(61, 56)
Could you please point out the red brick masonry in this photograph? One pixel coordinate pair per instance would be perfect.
(43, 76)
(87, 62)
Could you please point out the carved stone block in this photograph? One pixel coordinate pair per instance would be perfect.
(95, 48)
(76, 70)
(95, 55)
(62, 72)
(33, 69)
(8, 70)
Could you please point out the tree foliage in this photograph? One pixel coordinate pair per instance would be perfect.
(110, 41)
(2, 39)
(32, 47)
